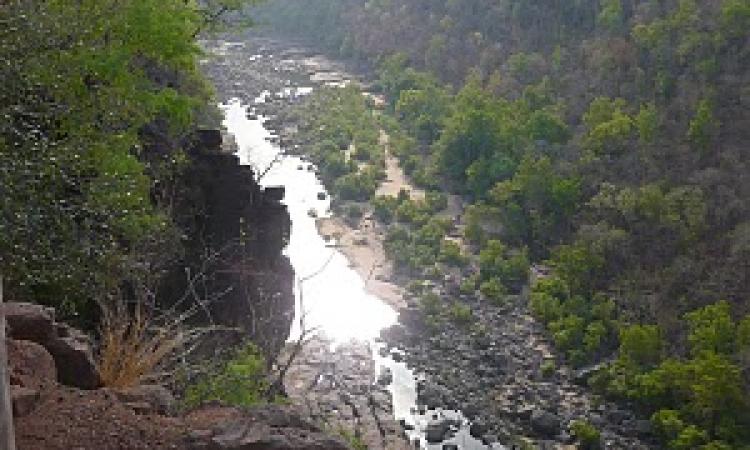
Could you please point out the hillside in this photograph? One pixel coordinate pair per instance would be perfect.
(604, 143)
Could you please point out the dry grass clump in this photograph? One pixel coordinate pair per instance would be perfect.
(135, 347)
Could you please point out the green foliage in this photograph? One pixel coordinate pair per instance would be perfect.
(460, 314)
(450, 253)
(535, 206)
(508, 267)
(711, 329)
(697, 401)
(422, 109)
(430, 303)
(641, 345)
(493, 290)
(647, 122)
(75, 170)
(611, 15)
(610, 128)
(587, 435)
(703, 125)
(240, 381)
(548, 368)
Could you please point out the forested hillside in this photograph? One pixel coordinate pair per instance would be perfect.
(604, 139)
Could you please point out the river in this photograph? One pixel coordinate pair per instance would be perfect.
(331, 297)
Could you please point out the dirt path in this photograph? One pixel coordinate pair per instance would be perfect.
(395, 176)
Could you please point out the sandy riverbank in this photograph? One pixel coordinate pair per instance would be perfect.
(363, 247)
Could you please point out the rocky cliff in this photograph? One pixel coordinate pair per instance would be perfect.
(235, 232)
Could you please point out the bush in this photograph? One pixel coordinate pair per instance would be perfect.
(493, 290)
(460, 313)
(241, 381)
(353, 212)
(548, 368)
(384, 208)
(450, 253)
(469, 284)
(430, 303)
(641, 344)
(588, 436)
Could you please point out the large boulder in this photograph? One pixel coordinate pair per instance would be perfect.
(29, 322)
(74, 358)
(30, 365)
(70, 348)
(436, 430)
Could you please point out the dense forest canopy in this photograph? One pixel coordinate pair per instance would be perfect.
(605, 139)
(98, 100)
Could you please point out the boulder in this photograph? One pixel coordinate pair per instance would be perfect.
(157, 398)
(477, 429)
(30, 365)
(70, 348)
(29, 322)
(74, 359)
(545, 423)
(436, 430)
(386, 377)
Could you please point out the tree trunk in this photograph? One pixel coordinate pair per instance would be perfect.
(7, 437)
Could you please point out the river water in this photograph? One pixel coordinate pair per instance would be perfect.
(331, 296)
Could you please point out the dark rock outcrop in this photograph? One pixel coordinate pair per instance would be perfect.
(70, 348)
(237, 231)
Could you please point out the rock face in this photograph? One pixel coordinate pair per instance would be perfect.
(340, 388)
(70, 349)
(237, 234)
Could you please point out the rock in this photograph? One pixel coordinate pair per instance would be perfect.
(545, 423)
(24, 400)
(436, 430)
(70, 348)
(267, 427)
(405, 425)
(386, 377)
(29, 322)
(642, 427)
(158, 398)
(430, 395)
(477, 429)
(616, 416)
(30, 365)
(74, 360)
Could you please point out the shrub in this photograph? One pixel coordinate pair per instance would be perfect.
(450, 253)
(548, 368)
(241, 381)
(588, 436)
(493, 290)
(641, 344)
(460, 313)
(430, 303)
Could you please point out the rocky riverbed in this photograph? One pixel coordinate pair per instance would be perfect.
(499, 370)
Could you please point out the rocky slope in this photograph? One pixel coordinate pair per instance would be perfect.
(50, 414)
